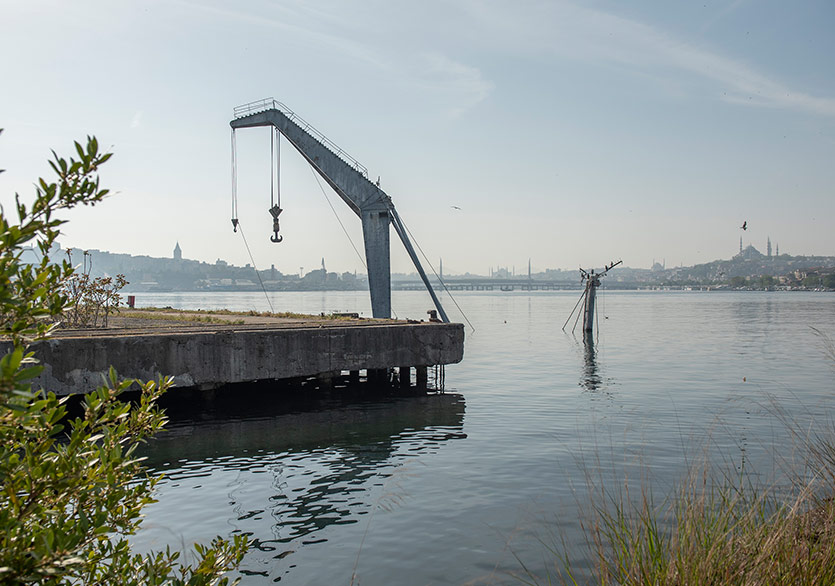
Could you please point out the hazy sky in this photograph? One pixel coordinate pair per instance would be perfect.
(570, 133)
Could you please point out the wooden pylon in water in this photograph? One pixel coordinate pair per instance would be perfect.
(589, 296)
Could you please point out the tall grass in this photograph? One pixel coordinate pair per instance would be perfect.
(716, 528)
(714, 532)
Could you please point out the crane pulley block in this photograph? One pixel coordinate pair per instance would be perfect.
(275, 211)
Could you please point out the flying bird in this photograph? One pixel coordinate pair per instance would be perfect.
(455, 207)
(744, 225)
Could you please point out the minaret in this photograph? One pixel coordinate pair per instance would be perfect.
(777, 251)
(768, 247)
(740, 245)
(323, 265)
(441, 269)
(178, 253)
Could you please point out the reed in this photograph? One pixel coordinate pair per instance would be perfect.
(714, 529)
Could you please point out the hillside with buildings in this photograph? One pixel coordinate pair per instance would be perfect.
(751, 268)
(748, 269)
(145, 273)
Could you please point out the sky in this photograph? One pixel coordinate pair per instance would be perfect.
(568, 133)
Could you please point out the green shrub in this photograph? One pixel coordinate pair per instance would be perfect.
(73, 489)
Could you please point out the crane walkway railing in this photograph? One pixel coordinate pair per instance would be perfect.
(273, 104)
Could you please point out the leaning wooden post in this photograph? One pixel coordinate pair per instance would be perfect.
(588, 308)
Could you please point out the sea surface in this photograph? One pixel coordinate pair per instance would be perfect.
(467, 486)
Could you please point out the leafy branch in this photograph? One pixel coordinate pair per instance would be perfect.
(73, 490)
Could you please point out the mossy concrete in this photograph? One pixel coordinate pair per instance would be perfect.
(207, 356)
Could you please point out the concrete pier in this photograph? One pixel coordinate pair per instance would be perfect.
(209, 355)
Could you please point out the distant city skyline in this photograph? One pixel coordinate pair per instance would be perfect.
(493, 270)
(564, 132)
(749, 269)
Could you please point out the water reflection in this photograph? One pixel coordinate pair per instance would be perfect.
(288, 470)
(591, 380)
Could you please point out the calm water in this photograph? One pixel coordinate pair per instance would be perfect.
(449, 489)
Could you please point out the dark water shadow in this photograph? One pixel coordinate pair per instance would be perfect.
(325, 455)
(239, 420)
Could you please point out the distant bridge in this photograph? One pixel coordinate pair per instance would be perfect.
(487, 284)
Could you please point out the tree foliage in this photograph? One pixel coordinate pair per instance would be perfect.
(73, 488)
(739, 282)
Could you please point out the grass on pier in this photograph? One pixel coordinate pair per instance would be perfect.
(198, 313)
(176, 316)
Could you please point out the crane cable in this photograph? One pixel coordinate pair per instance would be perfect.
(275, 168)
(257, 274)
(440, 280)
(338, 219)
(237, 224)
(234, 183)
(327, 199)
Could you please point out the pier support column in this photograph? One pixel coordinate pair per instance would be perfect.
(421, 378)
(325, 380)
(405, 377)
(378, 376)
(354, 377)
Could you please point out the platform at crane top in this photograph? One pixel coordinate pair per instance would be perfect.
(206, 350)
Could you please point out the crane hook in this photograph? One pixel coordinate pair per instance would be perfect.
(275, 211)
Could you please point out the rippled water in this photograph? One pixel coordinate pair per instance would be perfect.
(452, 488)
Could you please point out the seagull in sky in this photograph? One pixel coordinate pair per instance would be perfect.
(744, 225)
(455, 207)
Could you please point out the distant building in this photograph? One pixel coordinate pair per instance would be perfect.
(178, 253)
(749, 253)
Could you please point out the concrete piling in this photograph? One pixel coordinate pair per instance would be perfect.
(421, 378)
(209, 356)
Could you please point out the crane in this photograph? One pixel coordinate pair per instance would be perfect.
(349, 179)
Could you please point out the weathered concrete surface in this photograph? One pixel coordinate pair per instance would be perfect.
(210, 355)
